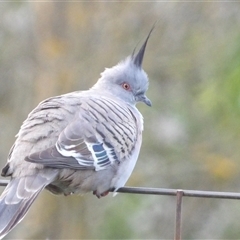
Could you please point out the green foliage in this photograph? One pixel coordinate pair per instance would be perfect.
(220, 96)
(118, 218)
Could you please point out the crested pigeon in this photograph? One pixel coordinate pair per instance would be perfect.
(83, 141)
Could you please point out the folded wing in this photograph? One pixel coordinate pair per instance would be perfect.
(102, 133)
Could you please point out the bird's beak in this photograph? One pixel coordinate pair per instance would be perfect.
(145, 99)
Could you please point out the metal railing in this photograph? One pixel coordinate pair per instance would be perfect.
(178, 193)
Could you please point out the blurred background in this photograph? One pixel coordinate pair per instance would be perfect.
(192, 132)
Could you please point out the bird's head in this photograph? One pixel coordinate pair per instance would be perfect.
(127, 80)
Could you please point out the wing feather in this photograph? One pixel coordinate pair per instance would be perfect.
(103, 133)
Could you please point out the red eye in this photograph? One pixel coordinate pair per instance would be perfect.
(126, 86)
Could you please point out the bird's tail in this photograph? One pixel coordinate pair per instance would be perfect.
(17, 198)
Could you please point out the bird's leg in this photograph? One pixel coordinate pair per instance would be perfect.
(100, 195)
(67, 194)
(104, 193)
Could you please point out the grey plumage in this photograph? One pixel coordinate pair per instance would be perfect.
(78, 142)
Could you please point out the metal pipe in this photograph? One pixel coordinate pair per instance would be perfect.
(186, 193)
(178, 222)
(168, 192)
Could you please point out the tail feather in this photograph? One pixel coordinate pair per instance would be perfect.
(12, 214)
(17, 198)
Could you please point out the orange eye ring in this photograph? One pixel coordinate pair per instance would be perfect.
(126, 86)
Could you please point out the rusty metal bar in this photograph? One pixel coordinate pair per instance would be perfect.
(178, 222)
(151, 191)
(186, 193)
(168, 192)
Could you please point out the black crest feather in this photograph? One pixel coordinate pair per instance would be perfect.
(138, 58)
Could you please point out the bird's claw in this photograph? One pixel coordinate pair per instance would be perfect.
(100, 195)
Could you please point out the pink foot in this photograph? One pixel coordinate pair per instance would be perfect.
(100, 195)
